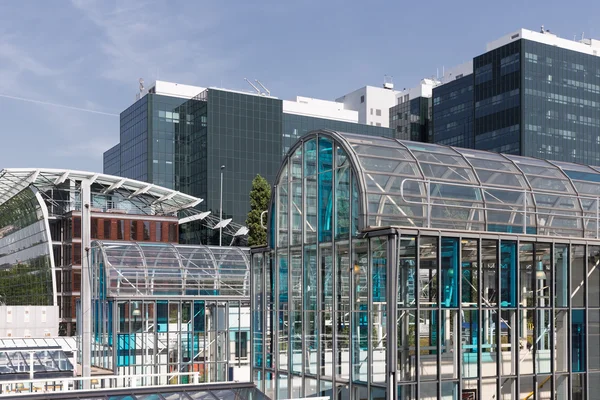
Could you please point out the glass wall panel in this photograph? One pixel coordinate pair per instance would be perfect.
(407, 340)
(360, 346)
(326, 276)
(489, 347)
(488, 388)
(342, 202)
(449, 391)
(296, 282)
(450, 256)
(283, 214)
(428, 344)
(325, 206)
(450, 323)
(578, 270)
(407, 392)
(578, 340)
(428, 270)
(326, 343)
(543, 319)
(561, 333)
(355, 208)
(282, 262)
(257, 310)
(578, 389)
(378, 317)
(311, 206)
(508, 389)
(543, 275)
(508, 271)
(407, 261)
(325, 154)
(562, 387)
(470, 273)
(310, 288)
(296, 212)
(594, 386)
(593, 339)
(282, 387)
(489, 273)
(342, 356)
(527, 275)
(593, 272)
(284, 340)
(297, 335)
(311, 336)
(561, 279)
(470, 343)
(428, 391)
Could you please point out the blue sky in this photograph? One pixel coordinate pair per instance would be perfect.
(89, 54)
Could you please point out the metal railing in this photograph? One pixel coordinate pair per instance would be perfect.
(49, 385)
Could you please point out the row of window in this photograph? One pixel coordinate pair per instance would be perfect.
(124, 229)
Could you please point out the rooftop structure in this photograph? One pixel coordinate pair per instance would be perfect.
(404, 270)
(544, 36)
(176, 308)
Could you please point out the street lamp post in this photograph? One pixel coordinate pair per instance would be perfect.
(221, 209)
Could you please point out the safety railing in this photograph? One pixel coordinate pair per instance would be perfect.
(49, 385)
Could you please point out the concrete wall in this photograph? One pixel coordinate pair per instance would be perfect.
(28, 321)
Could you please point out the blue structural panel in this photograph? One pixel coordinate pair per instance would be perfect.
(415, 271)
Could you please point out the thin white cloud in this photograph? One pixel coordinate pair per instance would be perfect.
(148, 39)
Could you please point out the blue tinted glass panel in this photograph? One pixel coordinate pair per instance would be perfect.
(325, 154)
(578, 340)
(325, 206)
(450, 272)
(508, 271)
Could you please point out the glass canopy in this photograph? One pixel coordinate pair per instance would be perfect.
(411, 184)
(16, 363)
(125, 270)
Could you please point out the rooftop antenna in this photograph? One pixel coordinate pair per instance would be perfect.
(263, 86)
(250, 83)
(582, 36)
(141, 81)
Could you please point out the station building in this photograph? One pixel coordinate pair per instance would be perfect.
(404, 270)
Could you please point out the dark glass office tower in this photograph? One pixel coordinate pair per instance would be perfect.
(537, 95)
(182, 143)
(497, 111)
(453, 113)
(411, 119)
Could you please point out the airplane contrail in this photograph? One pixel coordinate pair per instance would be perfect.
(58, 105)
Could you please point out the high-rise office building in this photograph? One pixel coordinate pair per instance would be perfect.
(410, 118)
(180, 140)
(531, 93)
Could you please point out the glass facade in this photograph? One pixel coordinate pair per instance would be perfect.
(112, 161)
(160, 308)
(26, 263)
(182, 144)
(528, 98)
(414, 271)
(296, 126)
(497, 100)
(453, 113)
(561, 97)
(411, 119)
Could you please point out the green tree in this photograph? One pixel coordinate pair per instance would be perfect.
(260, 195)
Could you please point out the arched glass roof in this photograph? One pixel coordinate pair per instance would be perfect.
(412, 184)
(129, 269)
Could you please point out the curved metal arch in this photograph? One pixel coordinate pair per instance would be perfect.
(354, 165)
(582, 220)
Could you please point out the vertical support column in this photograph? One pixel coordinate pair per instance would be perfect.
(392, 310)
(86, 286)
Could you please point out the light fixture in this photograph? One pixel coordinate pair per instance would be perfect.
(136, 310)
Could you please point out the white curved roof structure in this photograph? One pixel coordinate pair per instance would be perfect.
(164, 201)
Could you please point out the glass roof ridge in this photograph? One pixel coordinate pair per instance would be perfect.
(405, 183)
